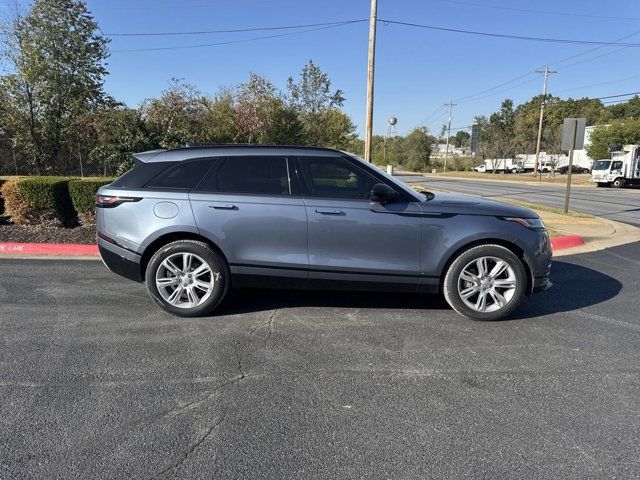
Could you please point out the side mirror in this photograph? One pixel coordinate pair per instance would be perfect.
(383, 193)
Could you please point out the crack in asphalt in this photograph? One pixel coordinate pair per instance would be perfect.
(270, 324)
(185, 454)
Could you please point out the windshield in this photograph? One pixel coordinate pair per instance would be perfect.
(601, 164)
(402, 185)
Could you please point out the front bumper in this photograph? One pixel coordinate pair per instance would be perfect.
(120, 260)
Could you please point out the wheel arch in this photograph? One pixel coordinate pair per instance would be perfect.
(515, 249)
(166, 238)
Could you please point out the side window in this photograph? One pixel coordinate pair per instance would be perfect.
(616, 166)
(183, 177)
(335, 177)
(252, 175)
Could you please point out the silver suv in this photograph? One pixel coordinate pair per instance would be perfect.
(193, 222)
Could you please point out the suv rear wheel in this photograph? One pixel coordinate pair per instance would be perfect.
(486, 282)
(187, 278)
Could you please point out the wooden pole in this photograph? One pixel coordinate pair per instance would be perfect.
(368, 132)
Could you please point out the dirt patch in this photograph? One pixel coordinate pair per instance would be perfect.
(46, 233)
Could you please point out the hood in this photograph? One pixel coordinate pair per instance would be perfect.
(472, 205)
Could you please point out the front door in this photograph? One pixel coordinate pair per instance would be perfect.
(351, 237)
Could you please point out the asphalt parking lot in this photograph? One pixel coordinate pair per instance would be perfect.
(96, 382)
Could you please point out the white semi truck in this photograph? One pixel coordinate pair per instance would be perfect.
(623, 170)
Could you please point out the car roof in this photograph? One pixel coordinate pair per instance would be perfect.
(230, 150)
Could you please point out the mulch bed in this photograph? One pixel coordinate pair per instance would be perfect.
(45, 233)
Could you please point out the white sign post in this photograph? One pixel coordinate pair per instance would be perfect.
(572, 139)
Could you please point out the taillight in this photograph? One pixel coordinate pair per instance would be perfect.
(106, 201)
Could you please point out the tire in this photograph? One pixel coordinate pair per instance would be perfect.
(513, 273)
(200, 292)
(618, 183)
(514, 171)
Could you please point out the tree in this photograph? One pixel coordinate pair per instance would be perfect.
(219, 121)
(318, 106)
(56, 58)
(497, 134)
(114, 133)
(628, 109)
(462, 139)
(255, 100)
(618, 132)
(312, 92)
(417, 150)
(176, 117)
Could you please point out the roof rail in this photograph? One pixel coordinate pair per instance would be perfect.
(190, 145)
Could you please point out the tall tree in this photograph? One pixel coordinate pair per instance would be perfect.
(318, 105)
(417, 150)
(56, 58)
(312, 92)
(176, 117)
(616, 133)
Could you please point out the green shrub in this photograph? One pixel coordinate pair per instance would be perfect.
(83, 194)
(30, 200)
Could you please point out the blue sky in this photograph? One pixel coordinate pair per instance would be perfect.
(417, 70)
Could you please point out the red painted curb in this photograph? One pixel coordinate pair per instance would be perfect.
(48, 249)
(569, 241)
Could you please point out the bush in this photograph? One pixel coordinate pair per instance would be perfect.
(32, 200)
(83, 195)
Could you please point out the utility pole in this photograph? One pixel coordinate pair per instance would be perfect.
(546, 73)
(446, 152)
(368, 131)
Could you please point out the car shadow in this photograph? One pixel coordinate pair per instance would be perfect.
(574, 287)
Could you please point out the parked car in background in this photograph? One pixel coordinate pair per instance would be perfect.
(575, 169)
(194, 222)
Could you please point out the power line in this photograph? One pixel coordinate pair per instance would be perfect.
(234, 30)
(231, 42)
(614, 96)
(512, 37)
(557, 62)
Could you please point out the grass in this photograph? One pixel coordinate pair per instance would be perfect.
(543, 208)
(576, 179)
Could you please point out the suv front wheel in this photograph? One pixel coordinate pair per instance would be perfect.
(187, 278)
(486, 282)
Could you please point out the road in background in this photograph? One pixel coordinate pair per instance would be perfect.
(97, 382)
(622, 205)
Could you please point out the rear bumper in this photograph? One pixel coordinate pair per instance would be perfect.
(120, 260)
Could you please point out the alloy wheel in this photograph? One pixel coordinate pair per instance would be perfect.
(185, 280)
(487, 284)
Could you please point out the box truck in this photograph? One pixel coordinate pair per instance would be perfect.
(622, 170)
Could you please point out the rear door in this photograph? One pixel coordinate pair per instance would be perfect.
(352, 238)
(251, 207)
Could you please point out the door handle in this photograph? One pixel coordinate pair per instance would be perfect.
(329, 211)
(223, 206)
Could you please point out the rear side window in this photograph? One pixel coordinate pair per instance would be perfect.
(185, 176)
(251, 175)
(334, 177)
(140, 174)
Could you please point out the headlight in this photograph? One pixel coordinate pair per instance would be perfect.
(532, 223)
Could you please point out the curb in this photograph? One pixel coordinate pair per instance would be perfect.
(568, 241)
(76, 249)
(48, 249)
